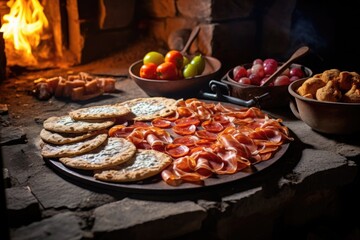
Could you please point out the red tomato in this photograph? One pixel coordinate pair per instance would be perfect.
(148, 71)
(175, 57)
(167, 71)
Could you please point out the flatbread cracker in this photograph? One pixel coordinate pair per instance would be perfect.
(66, 138)
(144, 164)
(99, 112)
(73, 149)
(65, 124)
(145, 109)
(113, 152)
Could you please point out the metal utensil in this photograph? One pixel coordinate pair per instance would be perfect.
(222, 92)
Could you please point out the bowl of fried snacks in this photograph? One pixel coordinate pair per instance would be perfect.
(328, 102)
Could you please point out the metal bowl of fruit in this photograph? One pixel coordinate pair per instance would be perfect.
(245, 81)
(190, 74)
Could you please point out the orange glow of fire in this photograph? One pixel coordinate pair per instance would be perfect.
(23, 26)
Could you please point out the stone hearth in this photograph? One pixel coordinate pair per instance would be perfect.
(310, 193)
(305, 194)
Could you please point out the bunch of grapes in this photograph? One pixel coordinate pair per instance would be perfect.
(260, 70)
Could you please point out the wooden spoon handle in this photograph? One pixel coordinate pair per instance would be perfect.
(192, 37)
(297, 54)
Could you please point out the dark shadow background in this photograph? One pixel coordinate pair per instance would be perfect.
(330, 29)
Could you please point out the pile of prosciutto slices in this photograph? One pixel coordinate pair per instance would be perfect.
(206, 139)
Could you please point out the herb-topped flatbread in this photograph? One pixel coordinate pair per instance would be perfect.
(65, 124)
(72, 149)
(113, 152)
(99, 112)
(144, 164)
(65, 138)
(146, 109)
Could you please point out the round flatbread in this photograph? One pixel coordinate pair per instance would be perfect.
(66, 138)
(145, 109)
(65, 124)
(113, 152)
(144, 164)
(73, 149)
(99, 112)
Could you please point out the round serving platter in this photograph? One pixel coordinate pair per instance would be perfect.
(156, 184)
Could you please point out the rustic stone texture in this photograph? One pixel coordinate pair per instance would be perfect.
(254, 200)
(6, 177)
(53, 192)
(291, 180)
(245, 28)
(137, 219)
(117, 14)
(21, 161)
(245, 209)
(61, 226)
(23, 208)
(346, 146)
(4, 109)
(317, 161)
(12, 135)
(160, 8)
(162, 29)
(200, 10)
(205, 39)
(215, 11)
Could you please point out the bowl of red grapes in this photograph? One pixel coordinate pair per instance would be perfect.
(246, 80)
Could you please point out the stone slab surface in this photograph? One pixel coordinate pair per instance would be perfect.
(313, 163)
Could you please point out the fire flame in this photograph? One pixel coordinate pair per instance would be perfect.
(23, 26)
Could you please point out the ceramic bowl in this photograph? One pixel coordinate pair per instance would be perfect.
(322, 116)
(181, 88)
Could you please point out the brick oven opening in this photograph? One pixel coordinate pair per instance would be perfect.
(41, 34)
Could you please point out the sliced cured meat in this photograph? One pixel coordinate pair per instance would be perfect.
(155, 142)
(221, 119)
(172, 117)
(230, 142)
(203, 113)
(185, 112)
(186, 130)
(267, 134)
(212, 126)
(204, 134)
(182, 122)
(161, 123)
(120, 131)
(204, 143)
(187, 140)
(177, 150)
(206, 139)
(140, 124)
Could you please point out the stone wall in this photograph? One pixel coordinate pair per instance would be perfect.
(235, 31)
